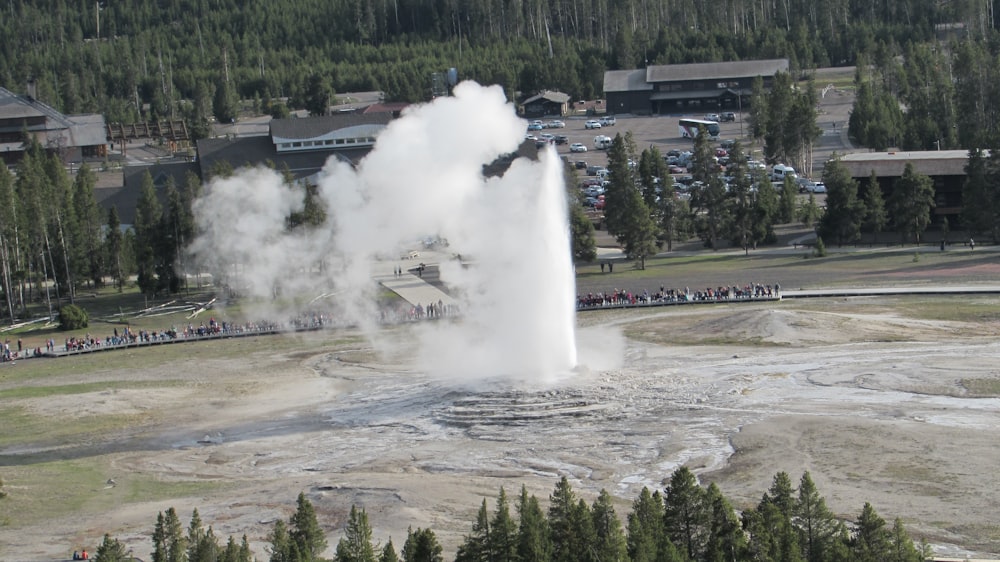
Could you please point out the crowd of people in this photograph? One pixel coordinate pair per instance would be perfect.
(623, 298)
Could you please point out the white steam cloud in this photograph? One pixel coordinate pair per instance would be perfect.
(423, 179)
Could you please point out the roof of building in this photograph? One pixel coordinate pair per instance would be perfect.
(892, 164)
(312, 127)
(259, 150)
(64, 130)
(626, 81)
(394, 108)
(554, 97)
(714, 70)
(126, 197)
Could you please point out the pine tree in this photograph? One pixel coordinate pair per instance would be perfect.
(726, 541)
(645, 527)
(280, 547)
(422, 546)
(388, 553)
(901, 545)
(844, 212)
(817, 525)
(870, 541)
(111, 550)
(786, 201)
(875, 214)
(88, 219)
(503, 532)
(304, 530)
(148, 217)
(565, 544)
(610, 545)
(113, 247)
(709, 198)
(911, 202)
(616, 201)
(686, 513)
(476, 546)
(533, 535)
(356, 546)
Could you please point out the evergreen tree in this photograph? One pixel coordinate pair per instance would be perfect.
(580, 226)
(225, 104)
(647, 541)
(388, 553)
(148, 217)
(786, 201)
(319, 94)
(610, 544)
(113, 247)
(870, 541)
(169, 542)
(476, 546)
(566, 545)
(280, 548)
(726, 541)
(503, 532)
(818, 528)
(673, 214)
(709, 199)
(356, 546)
(901, 545)
(207, 549)
(617, 210)
(533, 537)
(757, 116)
(876, 216)
(911, 202)
(977, 207)
(809, 211)
(686, 513)
(844, 212)
(304, 531)
(111, 550)
(422, 546)
(88, 218)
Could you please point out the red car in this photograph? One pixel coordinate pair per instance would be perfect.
(721, 152)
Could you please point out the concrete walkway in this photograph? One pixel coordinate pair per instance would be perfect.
(410, 286)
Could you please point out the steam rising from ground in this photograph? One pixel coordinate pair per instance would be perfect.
(423, 179)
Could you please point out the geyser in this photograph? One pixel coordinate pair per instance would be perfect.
(424, 178)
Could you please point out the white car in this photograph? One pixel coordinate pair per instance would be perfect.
(819, 187)
(556, 124)
(577, 147)
(592, 124)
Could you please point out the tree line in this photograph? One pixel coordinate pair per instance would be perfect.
(685, 522)
(194, 59)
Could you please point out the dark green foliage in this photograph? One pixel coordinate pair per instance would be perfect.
(148, 217)
(820, 250)
(111, 550)
(388, 553)
(609, 539)
(169, 542)
(356, 546)
(422, 546)
(876, 216)
(911, 202)
(533, 536)
(476, 546)
(502, 543)
(305, 532)
(844, 211)
(687, 514)
(709, 200)
(870, 540)
(72, 317)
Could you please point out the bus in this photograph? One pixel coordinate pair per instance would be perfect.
(689, 128)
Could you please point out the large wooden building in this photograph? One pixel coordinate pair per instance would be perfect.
(687, 88)
(75, 138)
(946, 168)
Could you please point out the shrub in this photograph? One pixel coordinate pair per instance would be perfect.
(72, 317)
(820, 249)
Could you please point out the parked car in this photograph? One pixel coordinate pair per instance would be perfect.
(727, 116)
(713, 117)
(608, 121)
(578, 147)
(592, 124)
(728, 144)
(580, 165)
(555, 124)
(719, 152)
(561, 139)
(535, 126)
(819, 187)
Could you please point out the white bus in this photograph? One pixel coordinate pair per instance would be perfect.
(689, 128)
